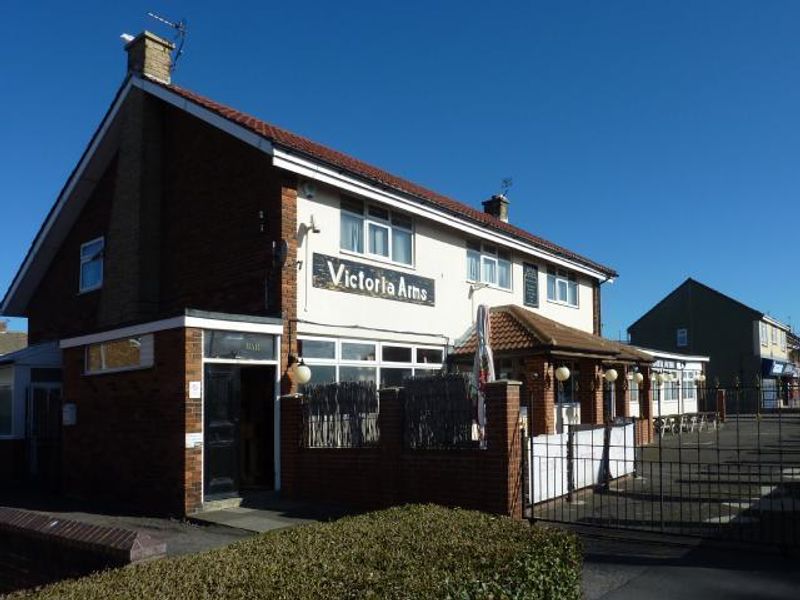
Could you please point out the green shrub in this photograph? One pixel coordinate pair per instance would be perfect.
(406, 552)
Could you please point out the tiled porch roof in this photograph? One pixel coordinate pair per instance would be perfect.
(514, 329)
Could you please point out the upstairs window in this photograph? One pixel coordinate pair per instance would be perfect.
(91, 274)
(488, 264)
(763, 331)
(774, 335)
(376, 231)
(783, 340)
(682, 337)
(562, 286)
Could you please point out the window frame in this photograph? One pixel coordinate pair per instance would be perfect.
(487, 253)
(85, 260)
(369, 220)
(763, 333)
(559, 275)
(378, 364)
(682, 333)
(143, 365)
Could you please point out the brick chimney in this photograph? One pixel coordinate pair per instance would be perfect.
(497, 206)
(151, 56)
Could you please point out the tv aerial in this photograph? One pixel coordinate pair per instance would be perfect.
(505, 185)
(180, 34)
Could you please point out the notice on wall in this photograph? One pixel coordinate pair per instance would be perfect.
(195, 390)
(69, 414)
(194, 440)
(351, 277)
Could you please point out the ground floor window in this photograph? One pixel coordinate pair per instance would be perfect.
(123, 354)
(386, 364)
(567, 391)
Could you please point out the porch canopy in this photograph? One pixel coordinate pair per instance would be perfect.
(529, 347)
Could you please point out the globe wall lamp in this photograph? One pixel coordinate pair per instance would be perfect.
(302, 373)
(610, 375)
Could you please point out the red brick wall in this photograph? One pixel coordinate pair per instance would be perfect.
(590, 392)
(207, 244)
(57, 309)
(193, 419)
(540, 384)
(128, 444)
(12, 460)
(488, 480)
(214, 255)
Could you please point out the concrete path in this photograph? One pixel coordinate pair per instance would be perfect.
(267, 512)
(623, 565)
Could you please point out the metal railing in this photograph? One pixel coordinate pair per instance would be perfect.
(731, 474)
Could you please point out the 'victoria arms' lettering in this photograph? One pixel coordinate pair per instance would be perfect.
(333, 273)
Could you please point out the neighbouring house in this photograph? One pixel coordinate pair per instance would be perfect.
(744, 345)
(197, 254)
(11, 341)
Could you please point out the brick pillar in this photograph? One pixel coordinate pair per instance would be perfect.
(590, 392)
(720, 408)
(193, 415)
(646, 406)
(391, 427)
(288, 279)
(291, 444)
(503, 448)
(621, 391)
(540, 383)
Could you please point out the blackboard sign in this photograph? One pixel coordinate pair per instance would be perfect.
(348, 276)
(530, 279)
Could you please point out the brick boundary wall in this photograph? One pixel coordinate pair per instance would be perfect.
(389, 474)
(36, 549)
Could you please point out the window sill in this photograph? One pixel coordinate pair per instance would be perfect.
(564, 304)
(90, 290)
(489, 286)
(377, 259)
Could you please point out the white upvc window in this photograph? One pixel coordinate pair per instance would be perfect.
(783, 340)
(763, 333)
(91, 266)
(376, 232)
(774, 335)
(562, 287)
(488, 264)
(385, 363)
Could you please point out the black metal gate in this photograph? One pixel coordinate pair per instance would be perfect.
(731, 472)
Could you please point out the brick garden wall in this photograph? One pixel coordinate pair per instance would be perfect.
(488, 480)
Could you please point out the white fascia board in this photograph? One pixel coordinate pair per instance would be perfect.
(66, 193)
(672, 355)
(172, 323)
(775, 323)
(213, 119)
(319, 172)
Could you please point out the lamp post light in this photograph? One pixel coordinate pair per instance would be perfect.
(562, 374)
(638, 378)
(610, 375)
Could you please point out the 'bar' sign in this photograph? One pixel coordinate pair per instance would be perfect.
(340, 275)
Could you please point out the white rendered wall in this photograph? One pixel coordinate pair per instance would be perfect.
(440, 254)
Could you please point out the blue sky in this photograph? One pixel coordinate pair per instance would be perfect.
(660, 138)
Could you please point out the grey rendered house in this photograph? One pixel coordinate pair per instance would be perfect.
(742, 342)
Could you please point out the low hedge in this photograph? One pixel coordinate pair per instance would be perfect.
(420, 551)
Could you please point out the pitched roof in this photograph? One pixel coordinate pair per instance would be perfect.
(513, 328)
(700, 285)
(11, 341)
(297, 143)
